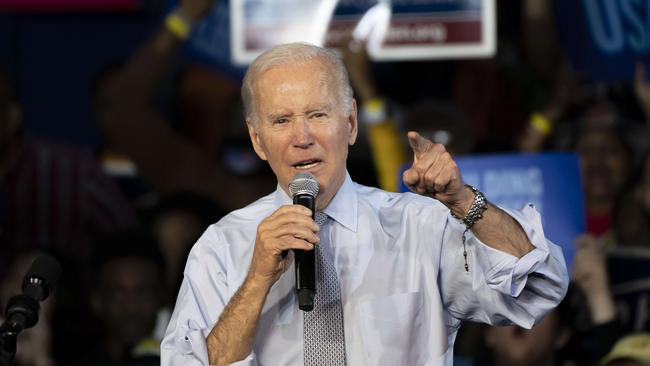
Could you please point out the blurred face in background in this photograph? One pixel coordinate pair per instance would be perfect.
(604, 165)
(129, 296)
(515, 346)
(301, 125)
(632, 221)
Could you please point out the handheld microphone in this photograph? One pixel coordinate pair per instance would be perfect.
(304, 189)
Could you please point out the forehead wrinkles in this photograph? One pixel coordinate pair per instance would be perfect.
(284, 80)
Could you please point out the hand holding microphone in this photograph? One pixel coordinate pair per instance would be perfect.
(289, 227)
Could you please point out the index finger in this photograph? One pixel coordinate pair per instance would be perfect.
(418, 143)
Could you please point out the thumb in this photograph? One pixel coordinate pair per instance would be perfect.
(418, 143)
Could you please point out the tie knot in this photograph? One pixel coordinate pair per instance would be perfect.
(320, 218)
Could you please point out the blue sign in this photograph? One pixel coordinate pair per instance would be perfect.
(551, 181)
(604, 39)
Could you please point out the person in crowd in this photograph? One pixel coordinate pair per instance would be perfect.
(605, 166)
(53, 197)
(176, 222)
(596, 324)
(539, 346)
(128, 294)
(631, 219)
(581, 330)
(399, 272)
(189, 155)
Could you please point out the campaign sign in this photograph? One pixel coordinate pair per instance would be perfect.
(629, 276)
(550, 181)
(393, 30)
(603, 38)
(69, 4)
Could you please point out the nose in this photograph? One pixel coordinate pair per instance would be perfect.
(302, 134)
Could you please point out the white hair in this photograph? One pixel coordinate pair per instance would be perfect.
(294, 53)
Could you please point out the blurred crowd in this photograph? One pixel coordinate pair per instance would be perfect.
(122, 218)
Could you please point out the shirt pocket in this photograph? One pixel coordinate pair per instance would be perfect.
(392, 330)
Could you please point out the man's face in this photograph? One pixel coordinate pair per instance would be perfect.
(128, 298)
(515, 346)
(301, 125)
(603, 162)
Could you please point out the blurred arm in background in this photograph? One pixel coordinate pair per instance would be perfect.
(384, 138)
(168, 161)
(591, 277)
(544, 56)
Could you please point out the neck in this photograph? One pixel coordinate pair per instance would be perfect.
(326, 197)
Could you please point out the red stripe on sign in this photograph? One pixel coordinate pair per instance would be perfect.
(69, 4)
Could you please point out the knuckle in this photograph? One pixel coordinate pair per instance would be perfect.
(430, 175)
(439, 148)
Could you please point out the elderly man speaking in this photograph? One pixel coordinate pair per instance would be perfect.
(396, 273)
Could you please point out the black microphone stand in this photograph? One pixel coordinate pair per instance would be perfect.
(22, 312)
(8, 335)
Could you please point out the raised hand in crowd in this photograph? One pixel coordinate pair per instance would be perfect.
(590, 274)
(186, 157)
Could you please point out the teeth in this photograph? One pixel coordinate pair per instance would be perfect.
(306, 165)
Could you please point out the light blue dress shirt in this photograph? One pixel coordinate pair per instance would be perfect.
(404, 288)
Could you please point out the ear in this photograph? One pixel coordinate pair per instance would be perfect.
(353, 125)
(255, 139)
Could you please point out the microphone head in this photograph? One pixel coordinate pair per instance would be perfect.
(303, 183)
(45, 270)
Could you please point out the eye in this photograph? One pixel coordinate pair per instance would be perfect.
(281, 120)
(318, 115)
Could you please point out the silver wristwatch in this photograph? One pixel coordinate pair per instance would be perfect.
(476, 209)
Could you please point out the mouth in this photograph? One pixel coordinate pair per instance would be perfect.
(307, 164)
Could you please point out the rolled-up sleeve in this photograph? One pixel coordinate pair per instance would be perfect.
(202, 297)
(500, 287)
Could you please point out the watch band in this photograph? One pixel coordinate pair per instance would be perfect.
(476, 210)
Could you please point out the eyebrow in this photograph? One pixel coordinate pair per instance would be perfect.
(322, 107)
(327, 107)
(274, 116)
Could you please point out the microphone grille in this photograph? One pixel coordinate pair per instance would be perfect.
(303, 183)
(44, 268)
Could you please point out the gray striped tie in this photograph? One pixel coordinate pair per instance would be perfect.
(323, 327)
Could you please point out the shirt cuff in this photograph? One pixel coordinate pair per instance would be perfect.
(250, 360)
(192, 344)
(505, 272)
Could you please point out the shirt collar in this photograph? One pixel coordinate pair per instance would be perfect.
(342, 208)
